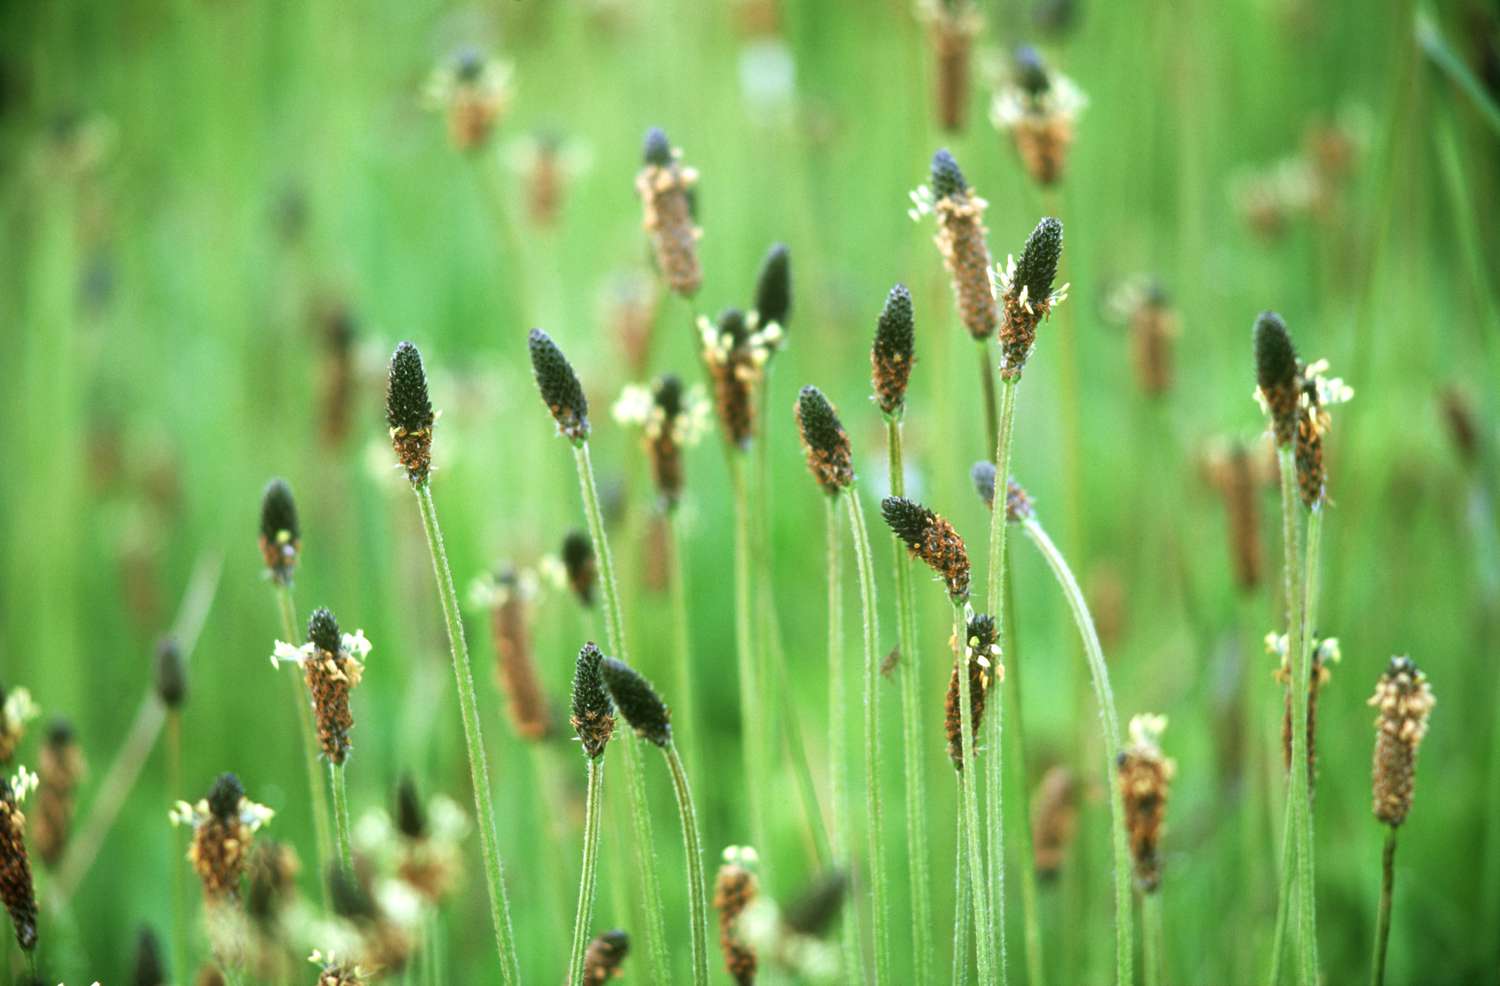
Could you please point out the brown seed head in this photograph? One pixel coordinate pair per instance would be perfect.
(1145, 782)
(961, 241)
(515, 667)
(1054, 819)
(331, 672)
(893, 353)
(605, 957)
(1404, 702)
(931, 539)
(953, 27)
(666, 189)
(222, 841)
(1153, 328)
(979, 652)
(17, 890)
(736, 359)
(735, 889)
(1242, 505)
(593, 709)
(580, 565)
(408, 411)
(825, 442)
(1277, 375)
(60, 769)
(1027, 294)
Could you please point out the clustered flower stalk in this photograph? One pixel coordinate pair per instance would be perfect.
(563, 396)
(1145, 777)
(594, 723)
(605, 958)
(735, 889)
(17, 891)
(667, 189)
(1038, 107)
(830, 460)
(410, 416)
(1403, 701)
(891, 357)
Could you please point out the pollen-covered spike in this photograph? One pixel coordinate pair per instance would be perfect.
(932, 539)
(1037, 268)
(408, 411)
(171, 673)
(657, 149)
(1145, 777)
(947, 179)
(1028, 297)
(411, 817)
(735, 889)
(559, 387)
(825, 441)
(17, 890)
(773, 288)
(323, 630)
(893, 353)
(60, 768)
(593, 710)
(667, 190)
(280, 536)
(975, 654)
(638, 702)
(1404, 702)
(1276, 371)
(605, 957)
(225, 796)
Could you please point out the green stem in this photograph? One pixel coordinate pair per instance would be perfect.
(1299, 647)
(1151, 939)
(969, 803)
(588, 880)
(179, 901)
(685, 713)
(750, 720)
(614, 626)
(911, 728)
(693, 845)
(1383, 921)
(837, 736)
(873, 809)
(1110, 723)
(1030, 906)
(338, 785)
(302, 709)
(960, 973)
(479, 770)
(1291, 545)
(1284, 895)
(987, 382)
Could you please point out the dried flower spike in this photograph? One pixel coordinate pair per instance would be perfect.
(1027, 294)
(735, 889)
(559, 387)
(1325, 654)
(1038, 107)
(332, 665)
(1404, 701)
(638, 702)
(408, 411)
(666, 189)
(280, 537)
(579, 565)
(224, 826)
(1153, 328)
(1145, 783)
(736, 354)
(893, 353)
(931, 539)
(1054, 819)
(17, 891)
(507, 596)
(1237, 482)
(953, 27)
(773, 288)
(671, 419)
(1318, 394)
(825, 441)
(1277, 370)
(979, 654)
(171, 673)
(593, 710)
(961, 241)
(60, 769)
(605, 957)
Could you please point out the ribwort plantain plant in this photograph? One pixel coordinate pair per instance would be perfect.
(410, 416)
(563, 396)
(594, 723)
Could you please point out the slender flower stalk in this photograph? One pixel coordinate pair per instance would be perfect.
(649, 716)
(563, 395)
(410, 415)
(891, 359)
(1110, 724)
(837, 727)
(594, 722)
(971, 850)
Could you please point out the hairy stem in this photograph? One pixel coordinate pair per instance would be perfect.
(750, 716)
(1035, 967)
(1151, 939)
(960, 973)
(973, 851)
(1300, 648)
(614, 626)
(339, 786)
(179, 900)
(302, 709)
(479, 769)
(1383, 920)
(1110, 723)
(987, 385)
(911, 727)
(583, 917)
(837, 736)
(682, 638)
(873, 808)
(693, 845)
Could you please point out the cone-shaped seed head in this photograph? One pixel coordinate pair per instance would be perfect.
(1037, 268)
(225, 796)
(1404, 701)
(894, 350)
(605, 955)
(1277, 372)
(735, 889)
(593, 711)
(149, 970)
(330, 675)
(323, 630)
(932, 539)
(947, 180)
(559, 387)
(773, 288)
(638, 702)
(280, 536)
(408, 411)
(978, 651)
(825, 441)
(657, 149)
(171, 673)
(411, 817)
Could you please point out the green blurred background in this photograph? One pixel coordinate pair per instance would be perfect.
(190, 188)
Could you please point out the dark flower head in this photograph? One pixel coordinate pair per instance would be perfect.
(983, 477)
(1277, 372)
(579, 565)
(668, 394)
(1031, 71)
(1037, 268)
(280, 537)
(814, 910)
(559, 387)
(149, 970)
(892, 354)
(593, 711)
(932, 539)
(658, 150)
(225, 796)
(171, 673)
(606, 953)
(411, 817)
(17, 889)
(947, 180)
(408, 411)
(348, 895)
(979, 654)
(825, 441)
(732, 324)
(468, 64)
(323, 630)
(638, 702)
(773, 288)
